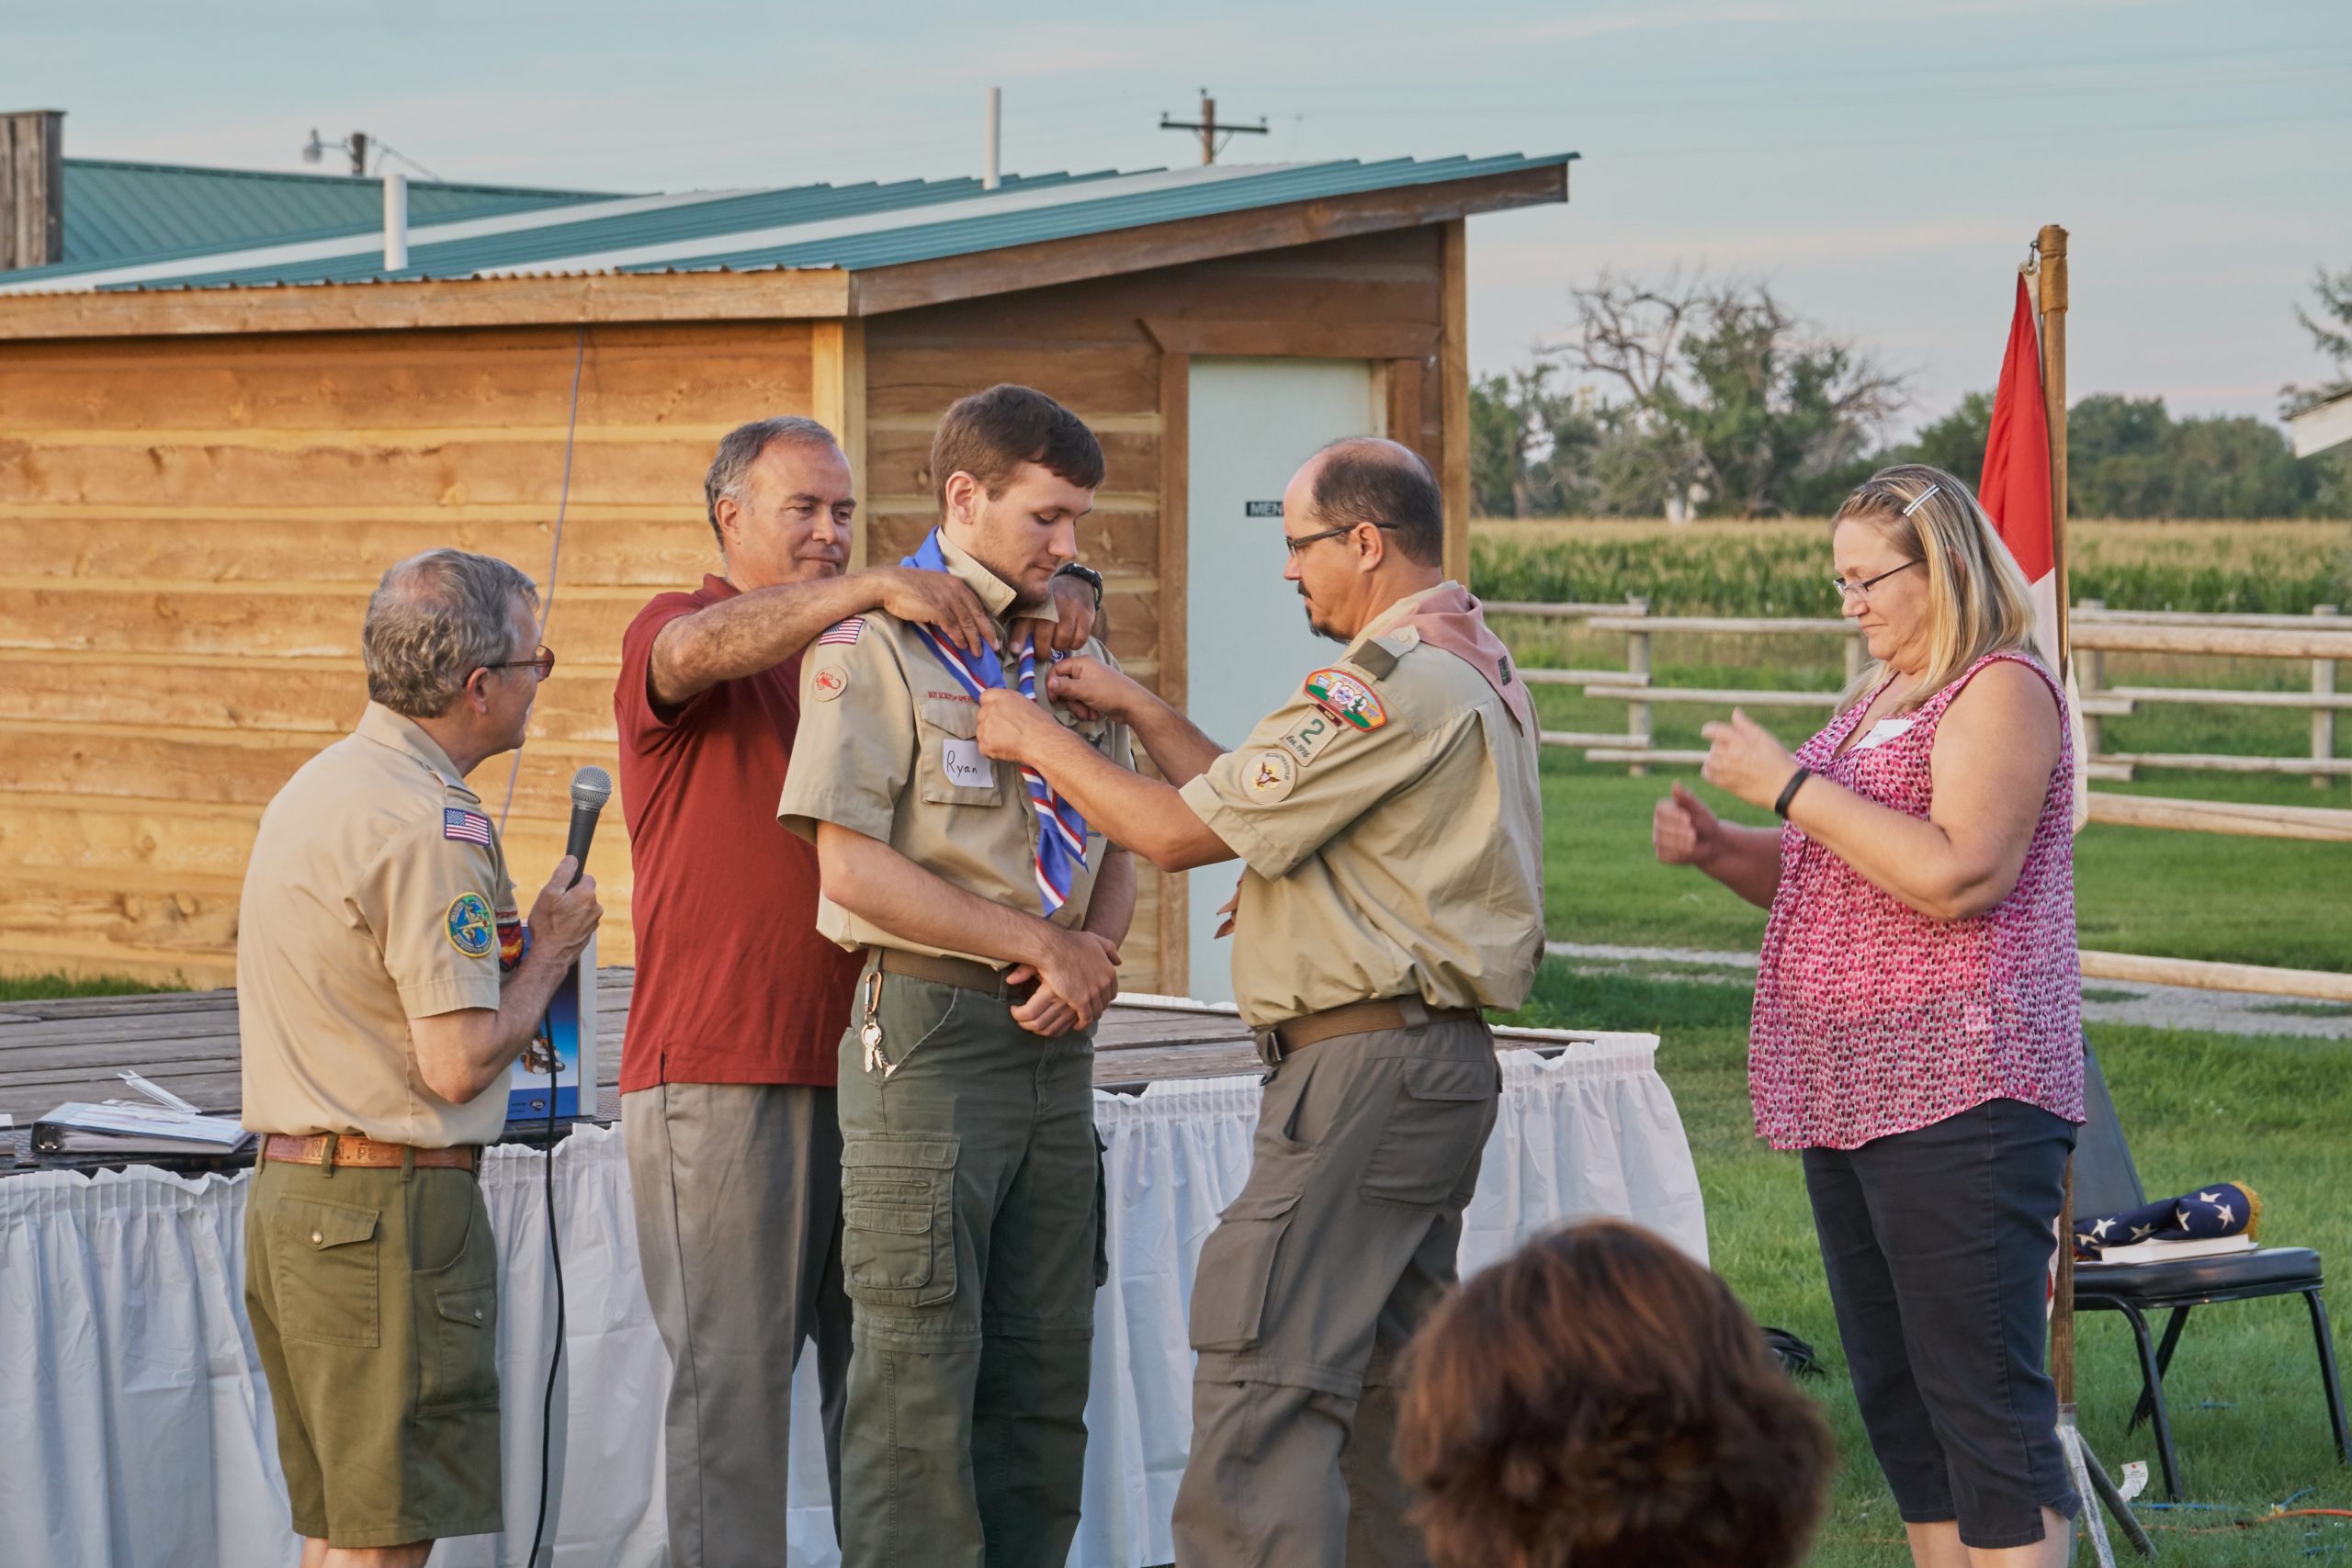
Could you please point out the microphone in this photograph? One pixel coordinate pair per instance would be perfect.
(591, 787)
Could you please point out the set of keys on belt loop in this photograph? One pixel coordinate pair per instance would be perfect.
(869, 1034)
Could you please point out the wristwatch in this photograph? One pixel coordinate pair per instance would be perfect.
(1086, 575)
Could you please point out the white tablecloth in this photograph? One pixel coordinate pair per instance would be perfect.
(139, 1427)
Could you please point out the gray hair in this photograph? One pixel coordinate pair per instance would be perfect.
(432, 621)
(732, 467)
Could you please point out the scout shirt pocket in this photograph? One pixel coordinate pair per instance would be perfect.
(950, 767)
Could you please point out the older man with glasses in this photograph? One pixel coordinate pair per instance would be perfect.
(384, 989)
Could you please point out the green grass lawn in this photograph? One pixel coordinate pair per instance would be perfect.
(2198, 1108)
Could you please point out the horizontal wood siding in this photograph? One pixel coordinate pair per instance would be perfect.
(189, 530)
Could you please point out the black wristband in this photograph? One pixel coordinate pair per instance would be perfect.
(1086, 575)
(1789, 792)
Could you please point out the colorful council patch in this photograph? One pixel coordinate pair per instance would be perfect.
(471, 931)
(1344, 695)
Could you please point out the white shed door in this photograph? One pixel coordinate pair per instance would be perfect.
(1246, 643)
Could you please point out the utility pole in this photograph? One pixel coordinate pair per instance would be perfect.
(1209, 129)
(358, 145)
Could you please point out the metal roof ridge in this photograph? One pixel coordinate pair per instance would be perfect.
(353, 242)
(990, 204)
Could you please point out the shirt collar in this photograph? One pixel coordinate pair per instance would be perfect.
(403, 735)
(714, 587)
(994, 592)
(1398, 613)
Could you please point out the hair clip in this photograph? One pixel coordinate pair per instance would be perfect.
(1923, 498)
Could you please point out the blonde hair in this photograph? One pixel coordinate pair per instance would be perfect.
(1978, 601)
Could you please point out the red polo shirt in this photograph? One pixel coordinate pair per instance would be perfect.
(733, 982)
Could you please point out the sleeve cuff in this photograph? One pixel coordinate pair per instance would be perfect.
(426, 998)
(860, 814)
(1240, 835)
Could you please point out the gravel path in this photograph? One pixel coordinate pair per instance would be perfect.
(2104, 1002)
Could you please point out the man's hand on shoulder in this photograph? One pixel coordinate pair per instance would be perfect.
(936, 600)
(1077, 610)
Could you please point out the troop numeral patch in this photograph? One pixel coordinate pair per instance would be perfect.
(1306, 738)
(1345, 696)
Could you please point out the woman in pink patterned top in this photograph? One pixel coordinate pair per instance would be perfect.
(1917, 1030)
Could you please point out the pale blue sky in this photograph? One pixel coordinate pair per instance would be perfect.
(1881, 161)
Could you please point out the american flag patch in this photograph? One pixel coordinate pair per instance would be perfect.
(843, 634)
(469, 826)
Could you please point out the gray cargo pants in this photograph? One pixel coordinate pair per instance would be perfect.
(1341, 1242)
(737, 1189)
(971, 1193)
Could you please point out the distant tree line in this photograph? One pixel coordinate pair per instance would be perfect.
(1699, 397)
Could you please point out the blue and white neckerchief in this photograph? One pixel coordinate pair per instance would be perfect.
(1062, 831)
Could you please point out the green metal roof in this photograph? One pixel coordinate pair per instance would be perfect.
(118, 211)
(852, 228)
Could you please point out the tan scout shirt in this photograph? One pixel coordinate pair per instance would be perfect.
(889, 747)
(1404, 859)
(369, 901)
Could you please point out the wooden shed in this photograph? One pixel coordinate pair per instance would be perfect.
(207, 457)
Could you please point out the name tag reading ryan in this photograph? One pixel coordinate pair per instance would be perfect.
(964, 763)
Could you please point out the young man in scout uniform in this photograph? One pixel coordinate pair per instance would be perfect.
(1389, 819)
(729, 1067)
(384, 985)
(990, 913)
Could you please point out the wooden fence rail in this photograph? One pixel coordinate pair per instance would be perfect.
(2097, 631)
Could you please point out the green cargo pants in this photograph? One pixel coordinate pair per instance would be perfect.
(971, 1247)
(1341, 1240)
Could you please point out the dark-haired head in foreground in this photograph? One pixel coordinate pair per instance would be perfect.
(1601, 1400)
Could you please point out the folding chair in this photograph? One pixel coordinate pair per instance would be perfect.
(2106, 1182)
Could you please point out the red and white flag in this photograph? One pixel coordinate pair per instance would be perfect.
(2015, 492)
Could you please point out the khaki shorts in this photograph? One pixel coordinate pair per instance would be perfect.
(373, 1295)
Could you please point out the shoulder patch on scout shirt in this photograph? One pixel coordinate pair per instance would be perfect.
(830, 682)
(1375, 661)
(1268, 774)
(1345, 696)
(471, 931)
(465, 827)
(843, 633)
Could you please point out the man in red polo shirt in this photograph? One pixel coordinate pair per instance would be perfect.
(728, 1066)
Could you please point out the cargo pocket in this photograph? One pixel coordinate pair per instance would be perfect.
(1436, 1128)
(950, 768)
(1101, 1215)
(1237, 1266)
(456, 1303)
(322, 1260)
(898, 1221)
(460, 1364)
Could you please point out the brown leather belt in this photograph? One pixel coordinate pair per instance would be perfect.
(1356, 1018)
(335, 1150)
(958, 971)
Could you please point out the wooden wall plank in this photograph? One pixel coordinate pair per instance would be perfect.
(657, 547)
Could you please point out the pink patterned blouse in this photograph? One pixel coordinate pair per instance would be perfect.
(1871, 1018)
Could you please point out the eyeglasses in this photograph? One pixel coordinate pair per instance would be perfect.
(542, 664)
(1861, 590)
(1295, 545)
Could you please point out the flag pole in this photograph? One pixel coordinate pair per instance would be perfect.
(2050, 269)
